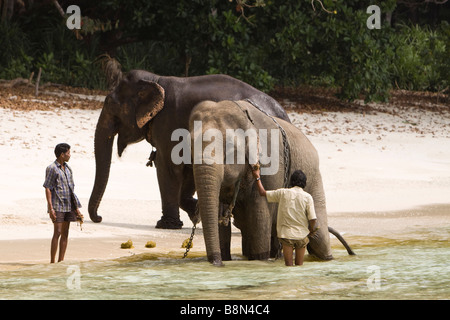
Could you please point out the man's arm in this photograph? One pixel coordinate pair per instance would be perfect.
(312, 227)
(50, 210)
(311, 216)
(261, 190)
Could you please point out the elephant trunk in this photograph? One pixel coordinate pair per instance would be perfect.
(208, 180)
(103, 145)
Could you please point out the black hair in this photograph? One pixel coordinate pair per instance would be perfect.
(298, 178)
(61, 148)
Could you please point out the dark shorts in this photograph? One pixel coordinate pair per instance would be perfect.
(66, 216)
(296, 244)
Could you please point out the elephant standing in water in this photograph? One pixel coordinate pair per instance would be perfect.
(226, 139)
(147, 106)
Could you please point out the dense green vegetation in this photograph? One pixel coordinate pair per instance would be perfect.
(263, 42)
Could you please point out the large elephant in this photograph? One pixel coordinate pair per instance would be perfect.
(146, 105)
(219, 131)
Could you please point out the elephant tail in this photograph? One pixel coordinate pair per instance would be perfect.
(342, 240)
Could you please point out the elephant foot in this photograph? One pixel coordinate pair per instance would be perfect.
(169, 223)
(259, 256)
(215, 259)
(319, 255)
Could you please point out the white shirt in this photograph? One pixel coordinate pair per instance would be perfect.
(295, 209)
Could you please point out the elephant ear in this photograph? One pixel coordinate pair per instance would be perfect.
(150, 101)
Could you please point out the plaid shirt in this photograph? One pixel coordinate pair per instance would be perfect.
(60, 183)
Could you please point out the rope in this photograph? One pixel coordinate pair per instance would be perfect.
(287, 150)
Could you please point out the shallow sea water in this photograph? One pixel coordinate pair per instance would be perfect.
(383, 268)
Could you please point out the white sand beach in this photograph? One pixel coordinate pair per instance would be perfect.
(386, 169)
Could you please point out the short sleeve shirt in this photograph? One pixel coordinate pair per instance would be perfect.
(295, 209)
(60, 182)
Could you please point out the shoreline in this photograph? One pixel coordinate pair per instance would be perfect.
(358, 228)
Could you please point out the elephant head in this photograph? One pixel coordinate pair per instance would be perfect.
(126, 111)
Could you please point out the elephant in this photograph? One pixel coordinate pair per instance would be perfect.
(219, 132)
(147, 106)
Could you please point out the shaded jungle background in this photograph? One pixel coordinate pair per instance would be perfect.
(274, 45)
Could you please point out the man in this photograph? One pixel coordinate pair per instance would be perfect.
(62, 203)
(296, 218)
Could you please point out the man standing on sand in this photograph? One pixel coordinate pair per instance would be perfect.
(296, 219)
(62, 203)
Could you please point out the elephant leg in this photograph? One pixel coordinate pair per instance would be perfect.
(275, 245)
(240, 223)
(170, 181)
(259, 229)
(275, 248)
(245, 243)
(319, 243)
(225, 241)
(224, 234)
(187, 202)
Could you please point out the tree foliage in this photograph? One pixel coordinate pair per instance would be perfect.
(263, 42)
